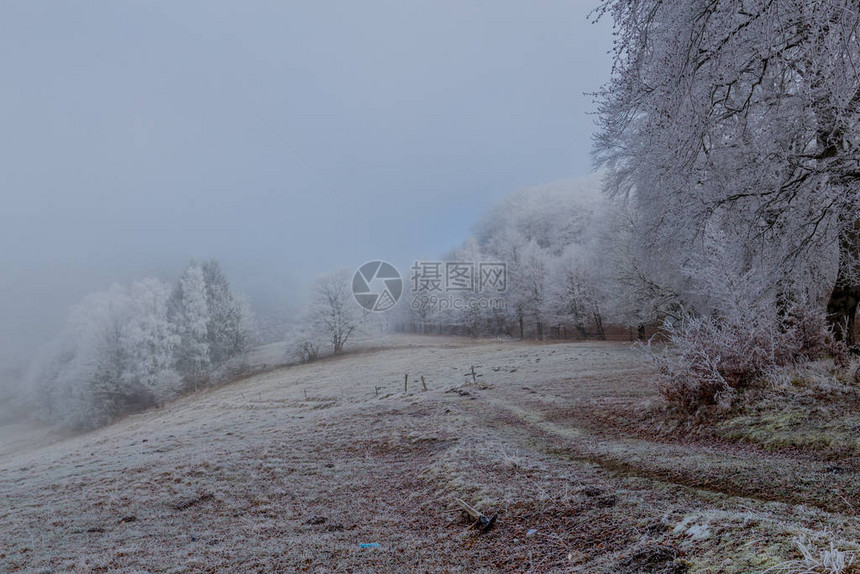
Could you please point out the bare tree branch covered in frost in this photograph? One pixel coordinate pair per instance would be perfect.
(744, 117)
(733, 131)
(331, 319)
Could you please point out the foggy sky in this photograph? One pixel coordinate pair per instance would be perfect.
(130, 139)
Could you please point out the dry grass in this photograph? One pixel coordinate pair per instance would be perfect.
(292, 470)
(814, 408)
(814, 560)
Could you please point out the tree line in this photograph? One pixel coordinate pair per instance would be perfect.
(569, 271)
(135, 346)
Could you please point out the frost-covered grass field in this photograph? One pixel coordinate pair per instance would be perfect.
(294, 469)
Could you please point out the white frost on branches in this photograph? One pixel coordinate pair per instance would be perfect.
(133, 347)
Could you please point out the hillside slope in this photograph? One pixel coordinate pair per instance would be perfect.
(294, 469)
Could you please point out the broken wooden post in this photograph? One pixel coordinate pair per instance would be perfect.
(474, 374)
(469, 510)
(423, 382)
(405, 382)
(484, 522)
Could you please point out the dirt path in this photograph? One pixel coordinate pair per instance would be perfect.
(293, 470)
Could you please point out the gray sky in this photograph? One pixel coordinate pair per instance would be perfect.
(130, 141)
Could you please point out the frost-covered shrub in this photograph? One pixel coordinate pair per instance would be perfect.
(710, 358)
(303, 346)
(809, 337)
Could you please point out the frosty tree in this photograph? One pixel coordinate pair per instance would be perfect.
(213, 324)
(149, 341)
(333, 313)
(576, 291)
(227, 327)
(564, 265)
(465, 314)
(133, 347)
(538, 232)
(115, 356)
(189, 316)
(742, 116)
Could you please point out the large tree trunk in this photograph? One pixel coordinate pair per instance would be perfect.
(842, 306)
